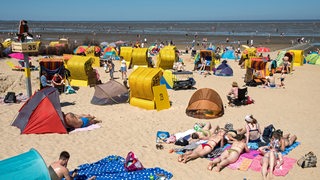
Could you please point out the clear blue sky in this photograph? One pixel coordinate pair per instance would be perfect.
(134, 10)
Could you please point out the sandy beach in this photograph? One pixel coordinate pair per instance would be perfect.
(127, 128)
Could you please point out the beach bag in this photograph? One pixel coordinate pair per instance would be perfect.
(249, 100)
(162, 136)
(132, 163)
(10, 97)
(69, 90)
(308, 160)
(267, 133)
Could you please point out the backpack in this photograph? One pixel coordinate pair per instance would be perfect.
(308, 160)
(10, 97)
(267, 132)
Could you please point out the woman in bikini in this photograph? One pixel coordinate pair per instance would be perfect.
(230, 155)
(204, 131)
(205, 148)
(252, 130)
(79, 121)
(272, 156)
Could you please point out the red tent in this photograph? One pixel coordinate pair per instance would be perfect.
(41, 114)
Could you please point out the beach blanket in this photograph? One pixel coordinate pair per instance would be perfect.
(283, 170)
(252, 160)
(88, 128)
(112, 167)
(290, 148)
(242, 164)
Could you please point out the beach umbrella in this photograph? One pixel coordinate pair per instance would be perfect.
(17, 55)
(108, 49)
(104, 44)
(119, 42)
(97, 49)
(113, 44)
(80, 49)
(263, 49)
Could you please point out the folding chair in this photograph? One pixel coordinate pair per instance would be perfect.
(242, 97)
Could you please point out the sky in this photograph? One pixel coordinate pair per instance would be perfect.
(160, 10)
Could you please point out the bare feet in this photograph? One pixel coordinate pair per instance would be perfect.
(211, 165)
(180, 158)
(217, 168)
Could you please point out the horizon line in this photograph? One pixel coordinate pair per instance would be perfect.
(261, 20)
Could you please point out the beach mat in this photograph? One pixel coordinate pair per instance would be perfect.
(112, 167)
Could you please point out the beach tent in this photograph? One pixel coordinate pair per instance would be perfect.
(111, 92)
(228, 54)
(223, 69)
(28, 165)
(205, 103)
(313, 58)
(41, 114)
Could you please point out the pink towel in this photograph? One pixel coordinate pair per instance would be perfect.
(251, 155)
(287, 165)
(242, 161)
(236, 164)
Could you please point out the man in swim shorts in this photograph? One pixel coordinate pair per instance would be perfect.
(79, 121)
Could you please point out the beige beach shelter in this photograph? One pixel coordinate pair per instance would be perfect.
(205, 103)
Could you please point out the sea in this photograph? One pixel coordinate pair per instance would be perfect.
(185, 31)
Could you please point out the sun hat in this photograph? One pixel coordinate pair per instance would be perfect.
(234, 84)
(228, 126)
(248, 118)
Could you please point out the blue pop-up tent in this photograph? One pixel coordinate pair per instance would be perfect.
(28, 165)
(223, 69)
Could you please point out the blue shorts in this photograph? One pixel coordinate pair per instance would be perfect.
(123, 69)
(272, 85)
(85, 121)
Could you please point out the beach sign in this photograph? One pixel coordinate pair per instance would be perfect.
(24, 47)
(161, 97)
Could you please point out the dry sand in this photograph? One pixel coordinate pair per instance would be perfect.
(127, 128)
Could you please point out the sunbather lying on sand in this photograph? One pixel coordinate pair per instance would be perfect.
(79, 121)
(204, 149)
(204, 131)
(230, 155)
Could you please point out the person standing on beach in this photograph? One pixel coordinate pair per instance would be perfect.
(111, 68)
(123, 68)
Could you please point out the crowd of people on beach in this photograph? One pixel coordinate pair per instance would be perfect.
(206, 139)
